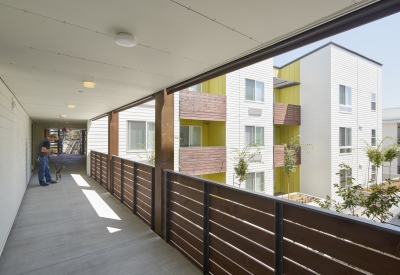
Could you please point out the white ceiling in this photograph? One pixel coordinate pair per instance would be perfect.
(48, 47)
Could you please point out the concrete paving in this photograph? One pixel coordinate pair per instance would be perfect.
(57, 231)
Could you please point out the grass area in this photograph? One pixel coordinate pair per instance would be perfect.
(387, 184)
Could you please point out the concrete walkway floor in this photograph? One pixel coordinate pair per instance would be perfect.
(67, 228)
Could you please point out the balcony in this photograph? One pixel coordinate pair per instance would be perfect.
(202, 106)
(279, 154)
(286, 114)
(202, 160)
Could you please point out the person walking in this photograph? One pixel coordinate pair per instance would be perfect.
(42, 158)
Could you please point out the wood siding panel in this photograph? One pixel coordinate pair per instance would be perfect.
(202, 106)
(279, 155)
(202, 160)
(287, 114)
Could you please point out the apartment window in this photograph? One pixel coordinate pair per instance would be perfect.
(373, 137)
(254, 134)
(141, 135)
(255, 181)
(195, 88)
(373, 102)
(254, 90)
(190, 136)
(345, 140)
(373, 172)
(345, 99)
(344, 176)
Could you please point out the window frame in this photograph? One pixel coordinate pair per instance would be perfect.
(254, 91)
(348, 149)
(254, 182)
(195, 90)
(254, 133)
(128, 149)
(345, 108)
(344, 173)
(373, 137)
(373, 172)
(201, 135)
(373, 102)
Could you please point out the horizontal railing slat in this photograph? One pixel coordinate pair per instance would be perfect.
(187, 214)
(191, 204)
(190, 250)
(187, 236)
(187, 181)
(186, 191)
(188, 226)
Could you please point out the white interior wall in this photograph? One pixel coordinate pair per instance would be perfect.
(97, 138)
(15, 159)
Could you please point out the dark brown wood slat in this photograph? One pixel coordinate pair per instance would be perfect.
(238, 257)
(143, 190)
(187, 214)
(144, 183)
(186, 202)
(361, 257)
(143, 175)
(202, 160)
(144, 206)
(143, 198)
(253, 233)
(191, 182)
(190, 238)
(144, 168)
(260, 253)
(186, 191)
(128, 187)
(128, 203)
(117, 160)
(190, 250)
(256, 202)
(315, 261)
(290, 268)
(146, 216)
(128, 164)
(226, 263)
(217, 270)
(188, 226)
(128, 175)
(355, 231)
(244, 213)
(187, 255)
(202, 106)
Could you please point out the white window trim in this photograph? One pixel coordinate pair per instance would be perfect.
(254, 183)
(254, 134)
(345, 105)
(255, 83)
(372, 137)
(374, 101)
(345, 138)
(373, 172)
(127, 136)
(201, 135)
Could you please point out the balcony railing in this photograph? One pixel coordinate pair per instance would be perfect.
(287, 114)
(202, 160)
(279, 154)
(202, 106)
(227, 230)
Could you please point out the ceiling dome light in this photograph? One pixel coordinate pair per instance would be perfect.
(88, 84)
(125, 39)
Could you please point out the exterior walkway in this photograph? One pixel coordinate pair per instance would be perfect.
(58, 231)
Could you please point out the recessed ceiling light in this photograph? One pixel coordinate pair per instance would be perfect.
(71, 106)
(81, 91)
(88, 84)
(125, 39)
(63, 116)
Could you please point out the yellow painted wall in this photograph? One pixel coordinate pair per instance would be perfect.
(213, 133)
(220, 177)
(284, 133)
(290, 95)
(215, 86)
(281, 181)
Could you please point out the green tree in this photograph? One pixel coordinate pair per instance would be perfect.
(391, 152)
(375, 156)
(291, 150)
(242, 160)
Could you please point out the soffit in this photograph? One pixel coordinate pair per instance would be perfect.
(47, 47)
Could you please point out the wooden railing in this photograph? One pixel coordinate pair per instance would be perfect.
(131, 182)
(279, 154)
(99, 167)
(287, 114)
(202, 160)
(226, 230)
(202, 106)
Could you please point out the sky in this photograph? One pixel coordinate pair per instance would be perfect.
(379, 41)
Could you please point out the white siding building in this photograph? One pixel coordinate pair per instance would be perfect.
(391, 128)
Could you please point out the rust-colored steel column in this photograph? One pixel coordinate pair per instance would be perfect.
(164, 149)
(112, 144)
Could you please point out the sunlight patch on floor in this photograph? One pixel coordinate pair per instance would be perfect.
(79, 180)
(112, 229)
(99, 205)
